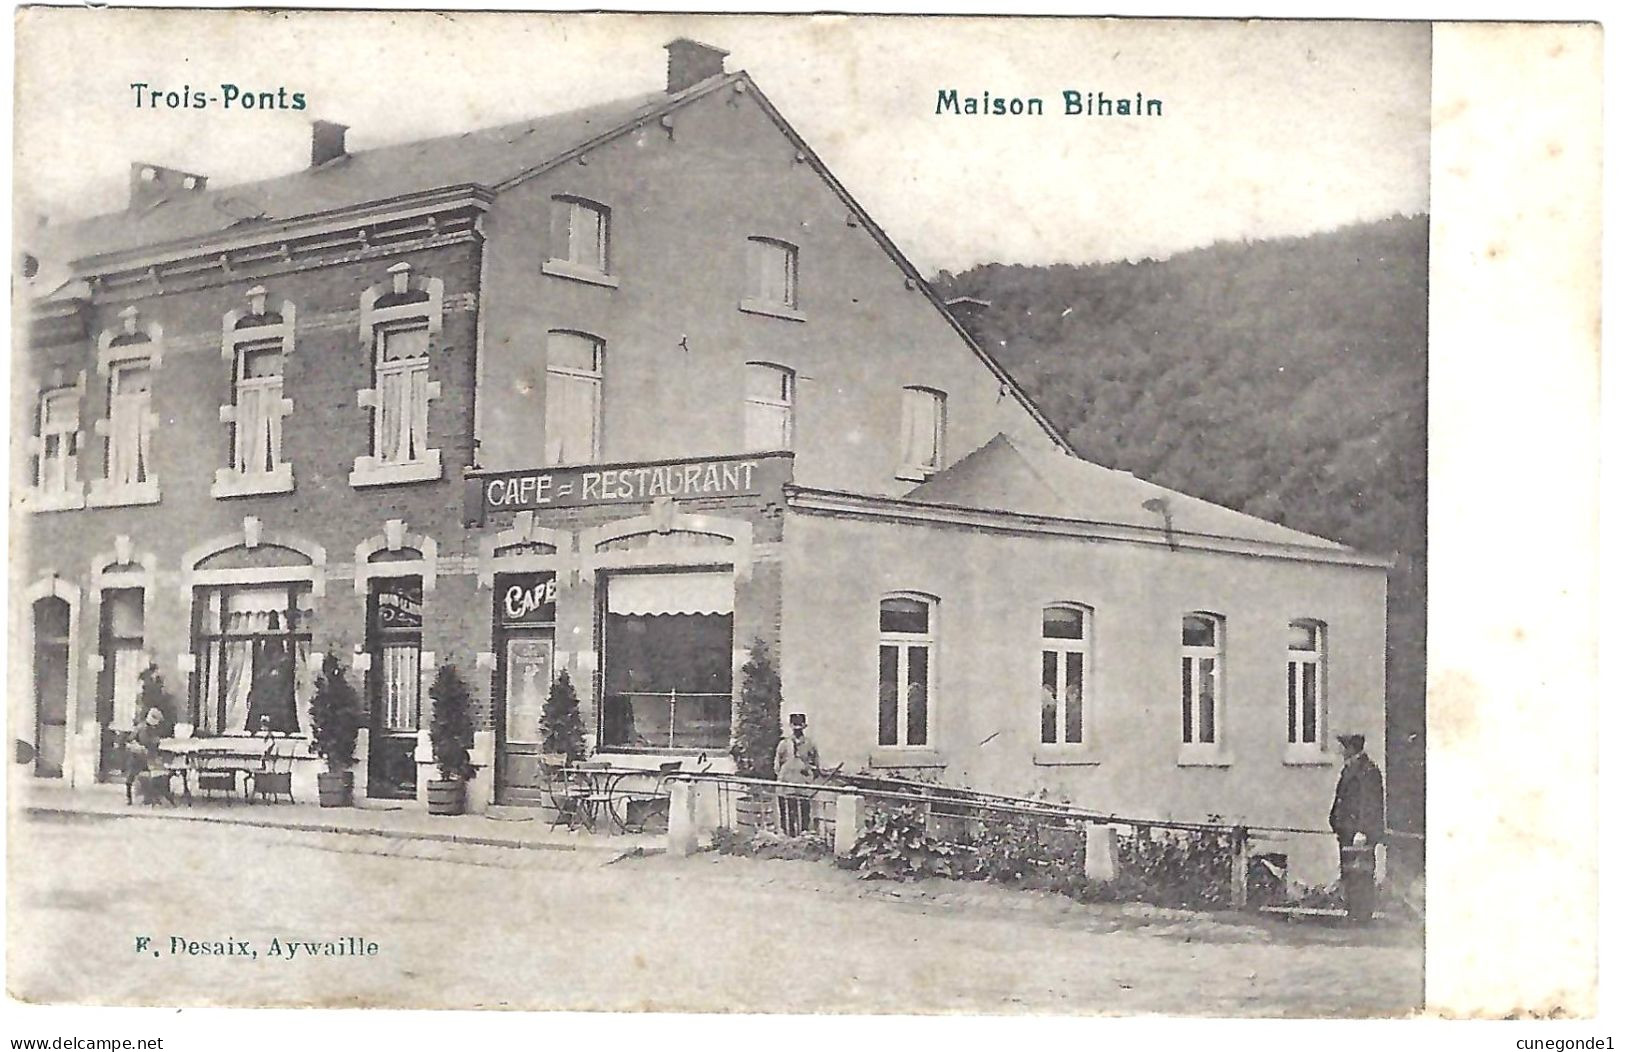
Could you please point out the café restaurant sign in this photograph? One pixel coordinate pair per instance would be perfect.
(571, 487)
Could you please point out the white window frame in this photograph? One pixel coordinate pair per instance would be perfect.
(1192, 750)
(781, 411)
(1061, 648)
(237, 478)
(377, 323)
(71, 492)
(779, 296)
(113, 360)
(911, 468)
(592, 379)
(1304, 667)
(573, 258)
(902, 642)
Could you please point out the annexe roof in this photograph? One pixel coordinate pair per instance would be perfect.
(1007, 475)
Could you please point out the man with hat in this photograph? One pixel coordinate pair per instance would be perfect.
(1358, 820)
(796, 761)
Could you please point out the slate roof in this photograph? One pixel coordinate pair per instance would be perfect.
(1009, 475)
(487, 157)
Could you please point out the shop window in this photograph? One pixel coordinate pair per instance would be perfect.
(581, 234)
(56, 462)
(1064, 670)
(769, 407)
(395, 640)
(668, 662)
(906, 649)
(925, 416)
(1202, 676)
(1306, 684)
(123, 637)
(249, 640)
(571, 415)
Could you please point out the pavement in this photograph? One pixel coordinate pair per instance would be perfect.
(517, 828)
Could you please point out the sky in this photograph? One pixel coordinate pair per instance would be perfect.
(1269, 129)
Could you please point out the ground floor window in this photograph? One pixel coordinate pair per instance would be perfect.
(123, 632)
(668, 662)
(906, 643)
(249, 641)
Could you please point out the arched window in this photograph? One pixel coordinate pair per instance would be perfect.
(580, 234)
(1202, 677)
(1065, 673)
(1306, 684)
(907, 645)
(773, 277)
(571, 415)
(770, 392)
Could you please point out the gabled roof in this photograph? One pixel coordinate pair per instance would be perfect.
(1008, 475)
(488, 157)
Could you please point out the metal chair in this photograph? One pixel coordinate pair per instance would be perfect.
(652, 801)
(568, 790)
(275, 775)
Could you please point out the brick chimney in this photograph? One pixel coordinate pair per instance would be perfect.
(326, 142)
(151, 183)
(688, 62)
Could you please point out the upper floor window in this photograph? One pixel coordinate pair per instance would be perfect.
(56, 463)
(571, 414)
(129, 423)
(1202, 675)
(925, 417)
(770, 392)
(1306, 684)
(580, 235)
(772, 272)
(907, 642)
(256, 343)
(399, 323)
(400, 429)
(1064, 673)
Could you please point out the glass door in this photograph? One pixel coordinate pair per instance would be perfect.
(525, 678)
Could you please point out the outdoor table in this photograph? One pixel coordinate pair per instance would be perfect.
(186, 757)
(601, 781)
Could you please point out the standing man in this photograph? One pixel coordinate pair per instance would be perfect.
(795, 760)
(1358, 820)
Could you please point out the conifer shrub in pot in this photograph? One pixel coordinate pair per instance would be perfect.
(451, 735)
(757, 733)
(335, 722)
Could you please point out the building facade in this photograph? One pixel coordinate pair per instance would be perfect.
(616, 393)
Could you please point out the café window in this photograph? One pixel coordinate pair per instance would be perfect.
(770, 392)
(1064, 664)
(249, 642)
(574, 398)
(123, 636)
(395, 640)
(668, 662)
(907, 642)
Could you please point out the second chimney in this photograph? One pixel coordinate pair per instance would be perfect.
(688, 62)
(326, 142)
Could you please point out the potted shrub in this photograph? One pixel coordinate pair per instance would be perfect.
(563, 733)
(451, 735)
(757, 732)
(335, 721)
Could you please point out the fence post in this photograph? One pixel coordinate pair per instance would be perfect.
(848, 822)
(1238, 868)
(1100, 853)
(682, 832)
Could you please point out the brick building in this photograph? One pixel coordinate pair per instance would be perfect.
(617, 392)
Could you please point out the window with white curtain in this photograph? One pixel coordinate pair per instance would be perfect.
(129, 423)
(571, 414)
(249, 642)
(56, 469)
(257, 420)
(1064, 670)
(925, 413)
(769, 406)
(907, 645)
(400, 431)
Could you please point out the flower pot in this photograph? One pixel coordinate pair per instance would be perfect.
(336, 789)
(447, 797)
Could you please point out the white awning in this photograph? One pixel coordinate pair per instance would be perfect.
(672, 593)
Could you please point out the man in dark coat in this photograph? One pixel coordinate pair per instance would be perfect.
(1358, 820)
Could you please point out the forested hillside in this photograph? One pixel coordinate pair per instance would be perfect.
(1287, 379)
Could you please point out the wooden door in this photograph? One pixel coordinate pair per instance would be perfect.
(524, 677)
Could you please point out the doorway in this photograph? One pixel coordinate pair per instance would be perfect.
(51, 640)
(526, 606)
(394, 686)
